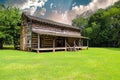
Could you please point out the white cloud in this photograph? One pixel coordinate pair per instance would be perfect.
(43, 11)
(92, 6)
(74, 4)
(51, 5)
(31, 5)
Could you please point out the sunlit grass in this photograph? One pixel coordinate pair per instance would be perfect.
(92, 64)
(8, 47)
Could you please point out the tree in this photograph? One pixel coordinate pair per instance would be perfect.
(80, 22)
(14, 22)
(10, 19)
(2, 28)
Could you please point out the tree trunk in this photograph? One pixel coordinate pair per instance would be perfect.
(1, 43)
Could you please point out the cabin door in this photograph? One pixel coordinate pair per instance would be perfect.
(60, 42)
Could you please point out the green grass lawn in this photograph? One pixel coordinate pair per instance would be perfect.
(92, 64)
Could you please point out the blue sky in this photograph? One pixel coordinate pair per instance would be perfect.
(61, 5)
(63, 11)
(2, 1)
(78, 2)
(67, 4)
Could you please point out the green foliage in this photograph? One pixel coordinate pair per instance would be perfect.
(92, 64)
(10, 19)
(80, 22)
(117, 4)
(103, 27)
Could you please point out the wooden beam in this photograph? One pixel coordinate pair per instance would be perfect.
(74, 46)
(38, 43)
(31, 42)
(81, 43)
(74, 43)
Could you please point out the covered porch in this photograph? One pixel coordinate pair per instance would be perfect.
(48, 42)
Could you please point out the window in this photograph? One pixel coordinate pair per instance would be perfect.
(62, 30)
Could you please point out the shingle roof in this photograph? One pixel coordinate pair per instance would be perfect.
(51, 22)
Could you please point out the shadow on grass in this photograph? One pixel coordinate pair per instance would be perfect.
(113, 49)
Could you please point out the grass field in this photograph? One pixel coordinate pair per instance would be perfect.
(92, 64)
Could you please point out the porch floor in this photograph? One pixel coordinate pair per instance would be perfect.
(60, 48)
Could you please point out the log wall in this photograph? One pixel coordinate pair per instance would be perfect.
(34, 40)
(46, 41)
(54, 28)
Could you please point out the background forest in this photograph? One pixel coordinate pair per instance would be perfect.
(102, 27)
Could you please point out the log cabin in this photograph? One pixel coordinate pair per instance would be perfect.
(38, 34)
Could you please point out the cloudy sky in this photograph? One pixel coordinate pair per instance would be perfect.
(59, 10)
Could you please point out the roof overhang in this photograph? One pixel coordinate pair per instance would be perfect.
(53, 33)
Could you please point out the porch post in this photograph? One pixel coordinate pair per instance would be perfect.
(74, 43)
(54, 44)
(38, 43)
(79, 43)
(74, 46)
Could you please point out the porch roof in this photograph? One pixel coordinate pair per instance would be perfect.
(53, 33)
